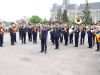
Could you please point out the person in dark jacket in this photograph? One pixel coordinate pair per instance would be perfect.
(76, 32)
(29, 30)
(90, 36)
(13, 31)
(61, 34)
(83, 33)
(52, 35)
(66, 34)
(43, 37)
(23, 34)
(34, 32)
(56, 37)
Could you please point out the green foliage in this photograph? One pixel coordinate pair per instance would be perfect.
(45, 20)
(35, 20)
(65, 16)
(87, 20)
(59, 15)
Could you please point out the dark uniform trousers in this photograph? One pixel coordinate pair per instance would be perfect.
(15, 37)
(66, 38)
(90, 37)
(61, 37)
(56, 38)
(82, 37)
(98, 45)
(34, 37)
(44, 40)
(23, 38)
(93, 39)
(76, 38)
(43, 44)
(23, 35)
(76, 41)
(12, 38)
(90, 42)
(71, 38)
(57, 42)
(52, 36)
(1, 40)
(20, 34)
(29, 36)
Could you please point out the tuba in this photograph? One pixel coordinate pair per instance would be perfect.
(78, 20)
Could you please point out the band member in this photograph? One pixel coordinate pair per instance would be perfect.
(1, 34)
(94, 35)
(77, 30)
(71, 31)
(13, 30)
(43, 37)
(52, 35)
(61, 34)
(23, 34)
(83, 33)
(29, 30)
(90, 36)
(66, 33)
(56, 37)
(34, 32)
(98, 40)
(20, 31)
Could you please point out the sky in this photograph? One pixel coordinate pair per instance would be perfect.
(11, 10)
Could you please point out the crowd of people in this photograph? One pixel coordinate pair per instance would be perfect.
(59, 33)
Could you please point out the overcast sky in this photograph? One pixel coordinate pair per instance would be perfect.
(15, 9)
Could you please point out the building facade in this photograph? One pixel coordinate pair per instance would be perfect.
(73, 10)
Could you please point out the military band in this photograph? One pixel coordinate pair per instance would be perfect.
(58, 34)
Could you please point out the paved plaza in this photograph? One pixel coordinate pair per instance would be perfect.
(26, 59)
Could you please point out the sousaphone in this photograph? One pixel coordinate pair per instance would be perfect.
(78, 20)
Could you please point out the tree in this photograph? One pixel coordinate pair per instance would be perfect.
(45, 20)
(64, 16)
(87, 19)
(35, 19)
(59, 15)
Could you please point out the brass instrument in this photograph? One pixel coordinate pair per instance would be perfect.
(78, 20)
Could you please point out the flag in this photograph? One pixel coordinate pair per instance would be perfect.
(98, 37)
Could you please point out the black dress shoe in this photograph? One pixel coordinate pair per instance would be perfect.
(56, 48)
(97, 50)
(12, 44)
(24, 42)
(41, 51)
(75, 46)
(90, 47)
